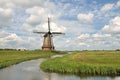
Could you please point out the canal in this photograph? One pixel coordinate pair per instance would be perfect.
(30, 70)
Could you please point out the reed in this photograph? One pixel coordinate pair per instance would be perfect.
(10, 57)
(85, 62)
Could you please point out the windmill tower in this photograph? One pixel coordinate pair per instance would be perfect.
(48, 42)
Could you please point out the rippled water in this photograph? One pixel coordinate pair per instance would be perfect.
(30, 70)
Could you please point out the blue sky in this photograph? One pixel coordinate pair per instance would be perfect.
(88, 24)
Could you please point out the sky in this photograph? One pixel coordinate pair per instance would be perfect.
(87, 24)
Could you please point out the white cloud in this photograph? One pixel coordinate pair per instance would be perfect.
(101, 35)
(84, 36)
(37, 20)
(5, 17)
(3, 34)
(118, 3)
(67, 41)
(35, 10)
(13, 37)
(7, 4)
(40, 13)
(37, 15)
(85, 18)
(11, 40)
(75, 27)
(97, 41)
(44, 27)
(82, 44)
(5, 12)
(54, 27)
(34, 15)
(27, 27)
(107, 7)
(57, 28)
(25, 3)
(113, 26)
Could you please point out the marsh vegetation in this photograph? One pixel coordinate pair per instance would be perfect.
(85, 62)
(10, 57)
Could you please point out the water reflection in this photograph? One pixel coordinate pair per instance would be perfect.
(30, 70)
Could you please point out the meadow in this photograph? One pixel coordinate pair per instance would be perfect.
(85, 62)
(10, 57)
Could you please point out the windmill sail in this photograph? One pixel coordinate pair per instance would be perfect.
(48, 42)
(48, 24)
(39, 32)
(57, 33)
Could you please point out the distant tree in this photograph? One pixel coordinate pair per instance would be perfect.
(117, 49)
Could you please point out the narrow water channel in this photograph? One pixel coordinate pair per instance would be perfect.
(30, 70)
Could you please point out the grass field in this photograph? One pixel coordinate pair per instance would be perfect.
(10, 57)
(86, 62)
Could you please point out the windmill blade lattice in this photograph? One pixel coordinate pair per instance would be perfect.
(39, 32)
(57, 33)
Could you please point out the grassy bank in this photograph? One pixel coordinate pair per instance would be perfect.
(10, 57)
(86, 62)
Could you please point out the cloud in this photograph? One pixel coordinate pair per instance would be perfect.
(32, 12)
(11, 40)
(113, 26)
(107, 7)
(54, 27)
(21, 3)
(84, 36)
(118, 3)
(82, 44)
(81, 23)
(3, 34)
(38, 18)
(91, 40)
(43, 27)
(97, 41)
(85, 18)
(75, 27)
(101, 35)
(57, 28)
(7, 4)
(5, 17)
(37, 15)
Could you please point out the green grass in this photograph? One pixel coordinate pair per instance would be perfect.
(10, 57)
(86, 62)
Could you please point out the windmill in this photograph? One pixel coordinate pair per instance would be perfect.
(48, 42)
